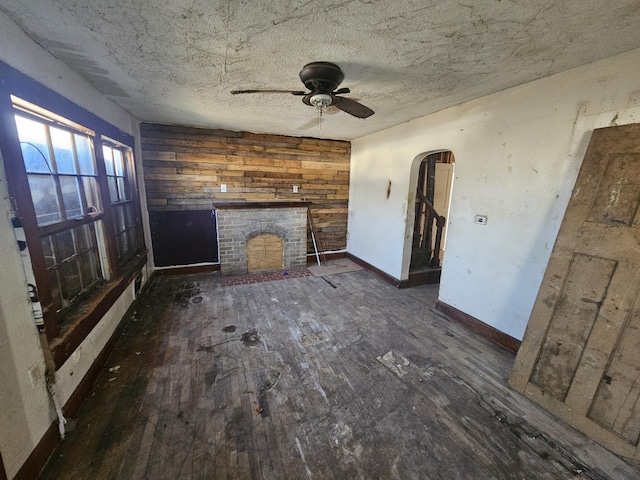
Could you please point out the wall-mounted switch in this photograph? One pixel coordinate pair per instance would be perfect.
(223, 187)
(481, 219)
(295, 189)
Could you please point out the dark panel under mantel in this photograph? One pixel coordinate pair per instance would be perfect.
(183, 237)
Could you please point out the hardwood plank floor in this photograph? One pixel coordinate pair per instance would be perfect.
(337, 376)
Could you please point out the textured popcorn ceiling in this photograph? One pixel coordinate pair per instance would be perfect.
(175, 61)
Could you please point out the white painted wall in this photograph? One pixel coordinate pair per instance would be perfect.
(25, 409)
(25, 412)
(517, 157)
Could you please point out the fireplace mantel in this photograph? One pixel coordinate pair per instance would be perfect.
(250, 205)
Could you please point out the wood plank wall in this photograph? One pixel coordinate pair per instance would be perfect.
(185, 166)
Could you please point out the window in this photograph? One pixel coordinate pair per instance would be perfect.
(85, 202)
(127, 226)
(61, 171)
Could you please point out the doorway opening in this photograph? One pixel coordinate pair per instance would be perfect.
(433, 197)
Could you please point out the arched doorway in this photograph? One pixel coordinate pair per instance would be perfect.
(431, 210)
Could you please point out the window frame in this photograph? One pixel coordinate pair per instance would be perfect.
(133, 197)
(63, 338)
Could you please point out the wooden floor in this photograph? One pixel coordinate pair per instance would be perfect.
(338, 376)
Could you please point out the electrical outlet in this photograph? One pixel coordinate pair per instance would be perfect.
(223, 187)
(295, 189)
(481, 219)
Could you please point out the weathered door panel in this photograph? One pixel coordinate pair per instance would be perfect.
(580, 356)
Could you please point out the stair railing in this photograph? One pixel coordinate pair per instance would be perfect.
(431, 216)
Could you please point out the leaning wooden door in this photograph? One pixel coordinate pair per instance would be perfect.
(580, 356)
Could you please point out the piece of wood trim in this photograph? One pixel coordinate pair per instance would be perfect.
(51, 439)
(384, 276)
(478, 326)
(187, 270)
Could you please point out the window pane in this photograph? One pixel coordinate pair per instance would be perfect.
(113, 189)
(70, 279)
(64, 245)
(108, 159)
(118, 162)
(92, 194)
(56, 294)
(128, 215)
(47, 250)
(85, 155)
(45, 200)
(119, 219)
(123, 245)
(89, 268)
(33, 141)
(122, 192)
(84, 237)
(71, 196)
(133, 243)
(63, 150)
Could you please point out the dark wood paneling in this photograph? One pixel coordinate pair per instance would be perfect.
(184, 168)
(183, 237)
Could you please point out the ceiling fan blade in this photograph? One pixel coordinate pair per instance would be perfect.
(293, 92)
(342, 90)
(351, 107)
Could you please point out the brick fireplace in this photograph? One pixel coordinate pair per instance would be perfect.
(243, 222)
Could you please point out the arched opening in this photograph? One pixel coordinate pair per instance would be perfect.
(431, 210)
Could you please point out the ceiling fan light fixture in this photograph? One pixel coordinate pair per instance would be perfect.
(322, 80)
(320, 101)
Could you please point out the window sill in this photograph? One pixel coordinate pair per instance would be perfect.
(75, 331)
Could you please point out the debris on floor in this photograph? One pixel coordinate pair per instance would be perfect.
(250, 338)
(395, 365)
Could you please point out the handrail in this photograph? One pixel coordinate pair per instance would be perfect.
(430, 207)
(440, 223)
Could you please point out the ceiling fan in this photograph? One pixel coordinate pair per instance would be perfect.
(322, 80)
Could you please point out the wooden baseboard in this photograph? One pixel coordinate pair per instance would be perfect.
(51, 439)
(487, 331)
(384, 276)
(187, 270)
(40, 455)
(3, 472)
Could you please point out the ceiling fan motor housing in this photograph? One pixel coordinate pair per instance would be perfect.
(321, 77)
